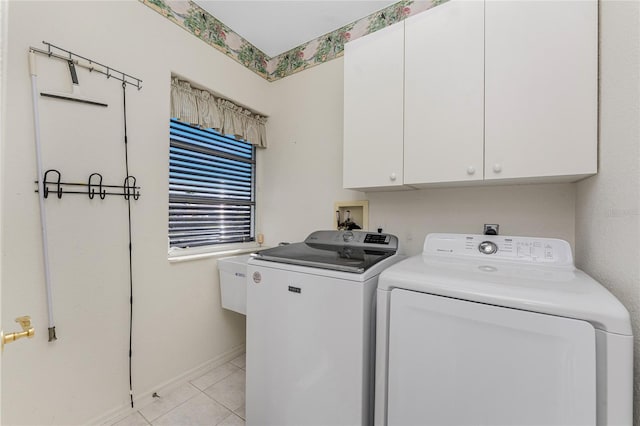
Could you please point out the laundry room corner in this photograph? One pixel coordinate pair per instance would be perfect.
(608, 204)
(303, 167)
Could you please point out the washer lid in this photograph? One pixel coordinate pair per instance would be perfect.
(554, 288)
(347, 251)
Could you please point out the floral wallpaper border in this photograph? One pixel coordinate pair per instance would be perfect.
(206, 27)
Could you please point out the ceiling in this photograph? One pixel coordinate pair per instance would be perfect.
(276, 26)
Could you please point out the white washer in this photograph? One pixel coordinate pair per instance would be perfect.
(495, 330)
(310, 329)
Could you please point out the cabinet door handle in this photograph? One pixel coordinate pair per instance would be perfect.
(471, 170)
(497, 168)
(392, 177)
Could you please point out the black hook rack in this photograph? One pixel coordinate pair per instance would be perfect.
(57, 52)
(94, 185)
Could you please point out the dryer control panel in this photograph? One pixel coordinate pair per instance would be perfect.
(550, 251)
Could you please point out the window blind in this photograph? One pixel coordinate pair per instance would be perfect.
(211, 187)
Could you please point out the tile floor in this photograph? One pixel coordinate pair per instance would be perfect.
(214, 399)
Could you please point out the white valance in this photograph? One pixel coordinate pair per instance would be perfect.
(202, 108)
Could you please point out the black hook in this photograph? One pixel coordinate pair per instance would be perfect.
(91, 191)
(57, 182)
(129, 189)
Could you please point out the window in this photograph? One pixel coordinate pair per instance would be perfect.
(211, 188)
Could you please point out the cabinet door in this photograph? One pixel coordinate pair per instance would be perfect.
(541, 89)
(444, 101)
(373, 134)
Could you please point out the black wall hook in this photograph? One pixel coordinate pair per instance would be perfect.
(129, 188)
(45, 181)
(90, 187)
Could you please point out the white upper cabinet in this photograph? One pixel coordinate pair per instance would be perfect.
(443, 94)
(373, 109)
(541, 89)
(474, 90)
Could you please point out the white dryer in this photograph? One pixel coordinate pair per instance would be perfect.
(496, 330)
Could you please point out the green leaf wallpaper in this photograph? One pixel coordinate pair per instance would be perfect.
(207, 28)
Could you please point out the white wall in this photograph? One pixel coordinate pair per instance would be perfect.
(3, 112)
(302, 178)
(530, 210)
(178, 322)
(301, 171)
(608, 205)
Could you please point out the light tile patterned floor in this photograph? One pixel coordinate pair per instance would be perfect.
(214, 399)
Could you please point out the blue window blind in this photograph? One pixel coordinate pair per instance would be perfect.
(211, 187)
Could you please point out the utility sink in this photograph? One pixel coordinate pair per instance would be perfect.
(233, 282)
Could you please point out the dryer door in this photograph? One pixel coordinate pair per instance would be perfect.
(455, 362)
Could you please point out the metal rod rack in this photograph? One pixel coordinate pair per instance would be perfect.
(94, 186)
(54, 51)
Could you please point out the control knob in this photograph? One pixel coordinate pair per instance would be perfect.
(487, 247)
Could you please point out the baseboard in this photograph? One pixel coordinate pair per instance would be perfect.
(145, 398)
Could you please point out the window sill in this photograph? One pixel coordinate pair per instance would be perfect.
(186, 255)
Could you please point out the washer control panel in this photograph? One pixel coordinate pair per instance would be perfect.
(521, 249)
(363, 239)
